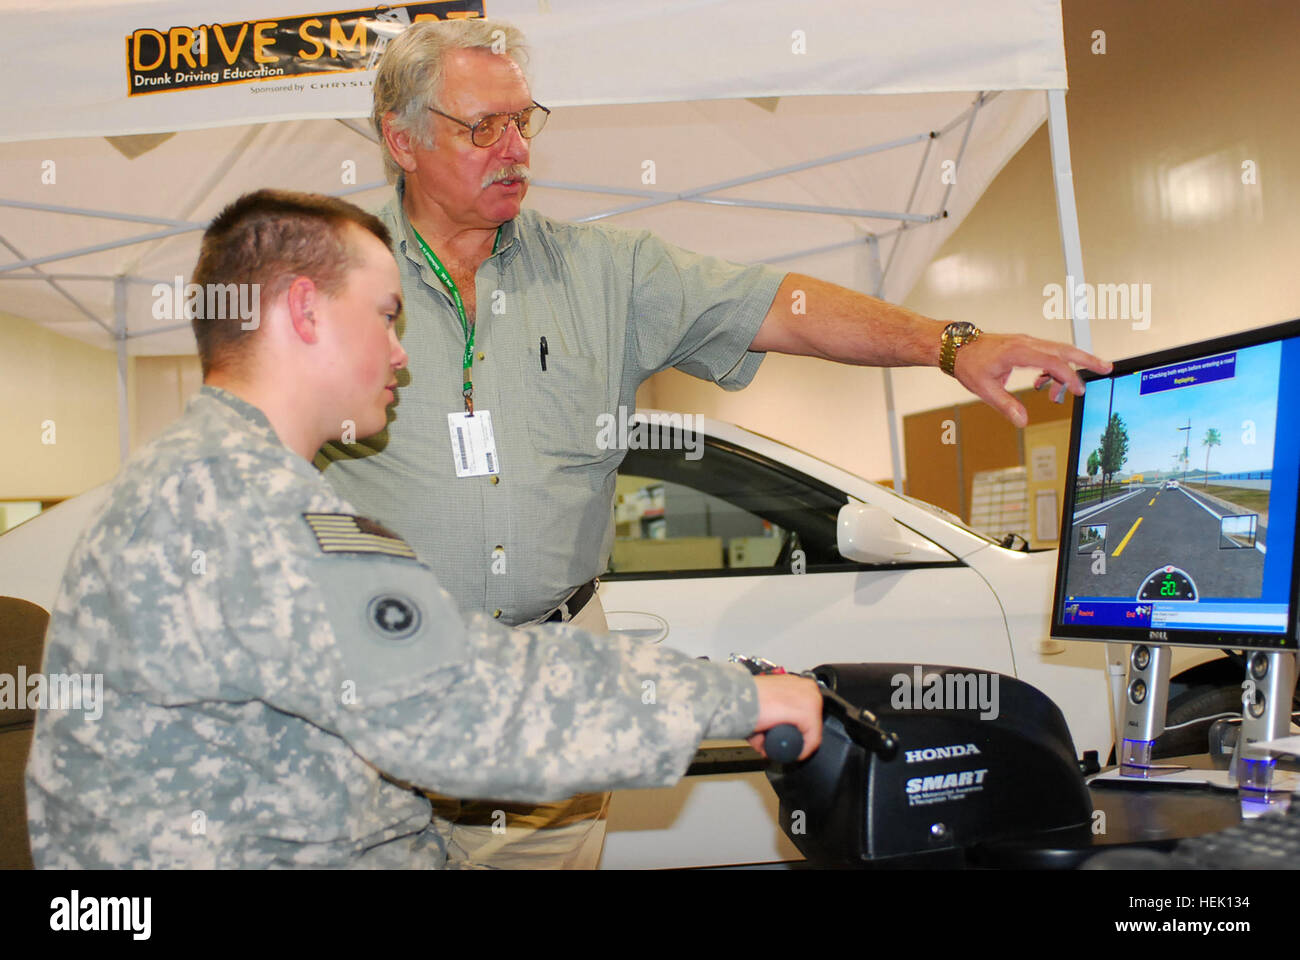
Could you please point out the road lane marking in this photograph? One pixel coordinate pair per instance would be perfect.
(1153, 502)
(1127, 537)
(1086, 512)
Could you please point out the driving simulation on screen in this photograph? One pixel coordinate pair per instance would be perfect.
(1182, 514)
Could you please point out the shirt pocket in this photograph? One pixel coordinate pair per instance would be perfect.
(565, 405)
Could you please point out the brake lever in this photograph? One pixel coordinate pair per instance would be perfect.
(862, 726)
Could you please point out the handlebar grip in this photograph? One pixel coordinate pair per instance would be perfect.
(783, 743)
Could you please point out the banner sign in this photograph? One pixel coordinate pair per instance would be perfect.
(208, 55)
(217, 63)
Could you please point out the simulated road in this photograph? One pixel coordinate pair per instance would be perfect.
(1151, 527)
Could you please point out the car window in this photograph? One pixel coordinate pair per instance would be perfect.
(660, 525)
(727, 512)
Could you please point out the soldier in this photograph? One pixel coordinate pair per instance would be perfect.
(279, 672)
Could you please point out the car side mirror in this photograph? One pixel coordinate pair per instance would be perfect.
(869, 534)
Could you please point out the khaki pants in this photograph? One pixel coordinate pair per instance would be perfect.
(568, 835)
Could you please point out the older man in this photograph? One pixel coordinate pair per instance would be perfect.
(523, 330)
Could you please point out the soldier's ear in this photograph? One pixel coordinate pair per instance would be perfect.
(303, 299)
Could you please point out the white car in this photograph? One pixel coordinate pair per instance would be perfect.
(741, 544)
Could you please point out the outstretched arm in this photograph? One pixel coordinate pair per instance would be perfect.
(813, 318)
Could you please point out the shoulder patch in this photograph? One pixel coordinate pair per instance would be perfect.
(344, 533)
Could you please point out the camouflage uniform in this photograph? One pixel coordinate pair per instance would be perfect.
(274, 667)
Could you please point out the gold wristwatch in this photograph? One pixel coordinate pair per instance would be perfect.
(955, 335)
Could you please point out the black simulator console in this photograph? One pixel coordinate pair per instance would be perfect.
(928, 786)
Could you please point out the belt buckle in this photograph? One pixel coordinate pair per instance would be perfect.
(563, 608)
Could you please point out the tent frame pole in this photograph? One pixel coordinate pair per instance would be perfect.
(660, 197)
(99, 214)
(755, 177)
(815, 208)
(891, 413)
(99, 247)
(119, 335)
(813, 251)
(1067, 215)
(53, 280)
(881, 272)
(86, 276)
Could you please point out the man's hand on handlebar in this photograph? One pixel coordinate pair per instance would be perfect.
(793, 700)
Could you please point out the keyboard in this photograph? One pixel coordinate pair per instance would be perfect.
(1270, 842)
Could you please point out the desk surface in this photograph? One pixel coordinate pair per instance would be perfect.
(1151, 812)
(1131, 812)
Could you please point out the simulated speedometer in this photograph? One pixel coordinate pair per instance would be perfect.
(1168, 583)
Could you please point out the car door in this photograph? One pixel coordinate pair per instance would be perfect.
(736, 552)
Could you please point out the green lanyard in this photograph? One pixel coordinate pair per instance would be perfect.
(467, 388)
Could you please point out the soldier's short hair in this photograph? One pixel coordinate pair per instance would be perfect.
(268, 238)
(409, 80)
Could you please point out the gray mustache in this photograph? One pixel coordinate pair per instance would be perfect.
(516, 171)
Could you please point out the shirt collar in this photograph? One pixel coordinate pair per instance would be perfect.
(257, 420)
(256, 423)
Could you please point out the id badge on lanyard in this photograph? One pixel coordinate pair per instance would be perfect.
(473, 445)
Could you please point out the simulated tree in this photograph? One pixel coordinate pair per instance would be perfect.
(1211, 441)
(1113, 450)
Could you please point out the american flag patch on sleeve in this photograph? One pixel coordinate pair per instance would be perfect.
(343, 533)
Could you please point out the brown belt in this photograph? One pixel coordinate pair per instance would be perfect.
(575, 603)
(487, 813)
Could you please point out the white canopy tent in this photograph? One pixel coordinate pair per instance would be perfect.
(841, 138)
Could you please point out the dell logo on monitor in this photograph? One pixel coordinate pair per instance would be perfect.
(1157, 635)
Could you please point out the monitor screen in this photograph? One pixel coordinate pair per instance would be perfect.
(1179, 519)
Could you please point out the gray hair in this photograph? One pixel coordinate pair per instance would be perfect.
(410, 74)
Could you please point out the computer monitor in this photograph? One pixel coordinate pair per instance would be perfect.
(1179, 519)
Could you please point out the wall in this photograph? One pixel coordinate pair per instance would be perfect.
(47, 377)
(947, 446)
(1047, 448)
(163, 386)
(59, 389)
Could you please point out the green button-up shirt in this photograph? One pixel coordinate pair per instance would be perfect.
(615, 307)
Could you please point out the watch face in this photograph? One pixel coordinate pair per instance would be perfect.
(961, 328)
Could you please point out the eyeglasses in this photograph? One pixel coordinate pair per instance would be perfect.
(488, 131)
